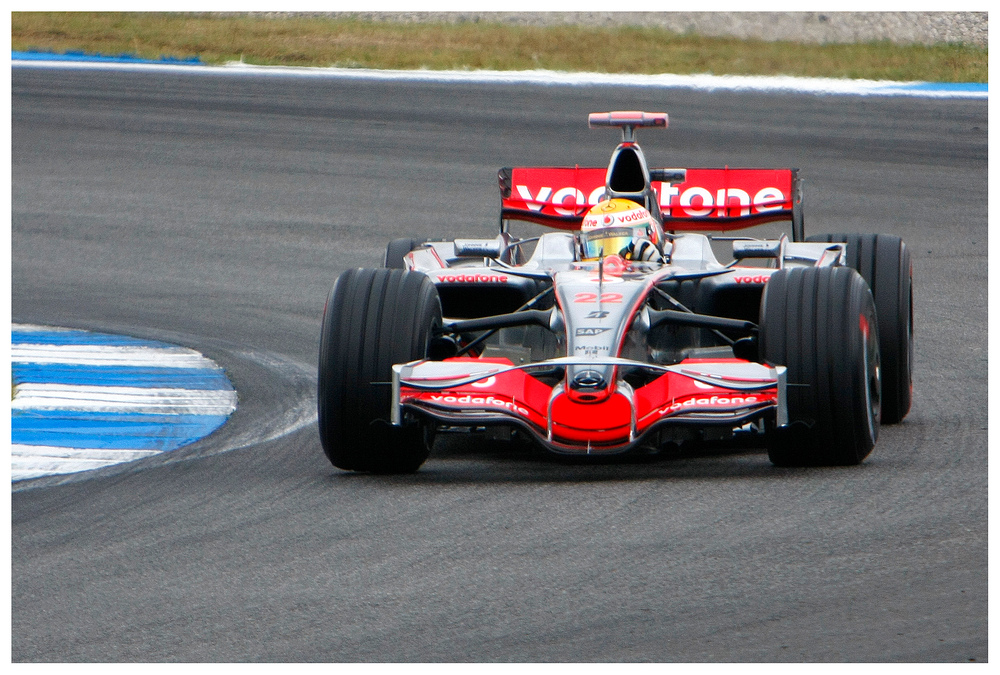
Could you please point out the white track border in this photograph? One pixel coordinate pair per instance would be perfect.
(818, 86)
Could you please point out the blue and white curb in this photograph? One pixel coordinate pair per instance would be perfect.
(86, 400)
(738, 83)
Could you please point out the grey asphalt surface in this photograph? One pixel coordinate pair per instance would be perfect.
(216, 212)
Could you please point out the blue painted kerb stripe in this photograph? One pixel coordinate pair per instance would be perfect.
(105, 58)
(208, 379)
(111, 431)
(970, 87)
(75, 337)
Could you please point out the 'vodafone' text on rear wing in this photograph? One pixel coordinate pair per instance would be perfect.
(689, 199)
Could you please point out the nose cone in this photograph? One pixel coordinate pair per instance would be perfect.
(608, 422)
(589, 386)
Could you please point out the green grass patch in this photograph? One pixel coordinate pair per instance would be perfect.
(326, 41)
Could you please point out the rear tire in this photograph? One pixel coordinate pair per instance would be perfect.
(884, 262)
(373, 319)
(397, 249)
(820, 323)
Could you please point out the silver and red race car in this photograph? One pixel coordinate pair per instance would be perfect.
(803, 343)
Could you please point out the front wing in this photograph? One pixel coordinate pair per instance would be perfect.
(489, 391)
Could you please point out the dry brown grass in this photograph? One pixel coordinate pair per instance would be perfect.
(319, 41)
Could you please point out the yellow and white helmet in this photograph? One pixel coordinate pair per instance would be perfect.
(611, 226)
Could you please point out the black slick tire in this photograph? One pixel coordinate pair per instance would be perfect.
(820, 323)
(373, 319)
(397, 249)
(884, 262)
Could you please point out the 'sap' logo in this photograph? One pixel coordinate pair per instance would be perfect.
(590, 331)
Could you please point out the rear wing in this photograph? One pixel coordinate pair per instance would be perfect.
(689, 199)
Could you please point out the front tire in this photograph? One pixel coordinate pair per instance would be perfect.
(374, 318)
(820, 323)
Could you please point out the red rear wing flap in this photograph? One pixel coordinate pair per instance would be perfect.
(707, 199)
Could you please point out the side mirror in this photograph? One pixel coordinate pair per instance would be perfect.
(478, 248)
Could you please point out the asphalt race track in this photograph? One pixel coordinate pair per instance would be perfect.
(215, 212)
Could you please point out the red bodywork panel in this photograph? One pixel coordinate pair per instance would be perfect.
(709, 199)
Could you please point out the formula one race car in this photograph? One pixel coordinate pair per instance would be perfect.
(620, 330)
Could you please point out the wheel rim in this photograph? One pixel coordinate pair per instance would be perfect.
(872, 374)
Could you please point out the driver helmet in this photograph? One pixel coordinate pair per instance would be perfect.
(610, 226)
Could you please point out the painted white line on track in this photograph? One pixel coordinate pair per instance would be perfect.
(35, 461)
(51, 396)
(35, 328)
(108, 355)
(42, 469)
(82, 454)
(704, 82)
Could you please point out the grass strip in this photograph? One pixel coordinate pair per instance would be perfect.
(309, 40)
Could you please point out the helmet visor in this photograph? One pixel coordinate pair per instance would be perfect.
(610, 240)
